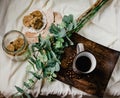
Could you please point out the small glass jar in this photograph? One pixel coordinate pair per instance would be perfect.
(15, 45)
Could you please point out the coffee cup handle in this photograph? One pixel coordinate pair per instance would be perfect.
(80, 47)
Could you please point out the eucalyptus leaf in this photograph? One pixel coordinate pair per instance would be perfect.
(57, 67)
(53, 54)
(74, 23)
(18, 96)
(58, 44)
(54, 75)
(35, 75)
(65, 19)
(50, 78)
(19, 89)
(66, 44)
(70, 27)
(70, 42)
(68, 19)
(48, 55)
(27, 95)
(31, 81)
(38, 64)
(27, 85)
(51, 63)
(54, 29)
(32, 60)
(31, 64)
(61, 33)
(44, 57)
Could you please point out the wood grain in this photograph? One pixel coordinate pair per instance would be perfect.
(96, 81)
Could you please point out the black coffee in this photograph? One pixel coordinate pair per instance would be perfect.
(83, 63)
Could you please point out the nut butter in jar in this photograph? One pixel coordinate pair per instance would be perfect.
(15, 45)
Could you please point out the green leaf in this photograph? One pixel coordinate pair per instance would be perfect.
(50, 69)
(54, 29)
(74, 23)
(70, 27)
(58, 44)
(60, 39)
(50, 78)
(57, 67)
(22, 96)
(54, 75)
(38, 64)
(39, 38)
(48, 44)
(53, 54)
(32, 60)
(31, 80)
(43, 43)
(17, 96)
(35, 75)
(31, 64)
(27, 85)
(19, 89)
(48, 55)
(61, 33)
(67, 19)
(27, 95)
(66, 44)
(51, 63)
(44, 57)
(35, 46)
(70, 42)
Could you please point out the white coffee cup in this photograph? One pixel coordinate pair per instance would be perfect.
(84, 62)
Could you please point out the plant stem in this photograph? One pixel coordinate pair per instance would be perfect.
(85, 17)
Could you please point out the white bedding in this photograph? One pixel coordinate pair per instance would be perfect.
(103, 29)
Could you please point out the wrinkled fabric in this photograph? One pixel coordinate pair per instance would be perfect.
(103, 29)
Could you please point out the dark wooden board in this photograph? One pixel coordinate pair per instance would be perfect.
(95, 82)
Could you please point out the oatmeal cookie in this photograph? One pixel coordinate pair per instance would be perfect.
(27, 19)
(37, 14)
(36, 23)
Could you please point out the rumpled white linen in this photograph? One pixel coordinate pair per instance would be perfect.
(103, 29)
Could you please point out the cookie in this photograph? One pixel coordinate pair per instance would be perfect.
(27, 19)
(36, 23)
(37, 14)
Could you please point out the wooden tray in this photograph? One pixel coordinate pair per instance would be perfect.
(95, 82)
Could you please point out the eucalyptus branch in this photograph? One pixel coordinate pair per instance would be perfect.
(46, 53)
(90, 13)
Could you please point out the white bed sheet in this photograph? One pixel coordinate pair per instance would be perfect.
(103, 29)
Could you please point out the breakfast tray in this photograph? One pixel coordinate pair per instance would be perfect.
(95, 82)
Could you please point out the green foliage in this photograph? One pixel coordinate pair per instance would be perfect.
(19, 89)
(27, 85)
(36, 75)
(46, 53)
(22, 92)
